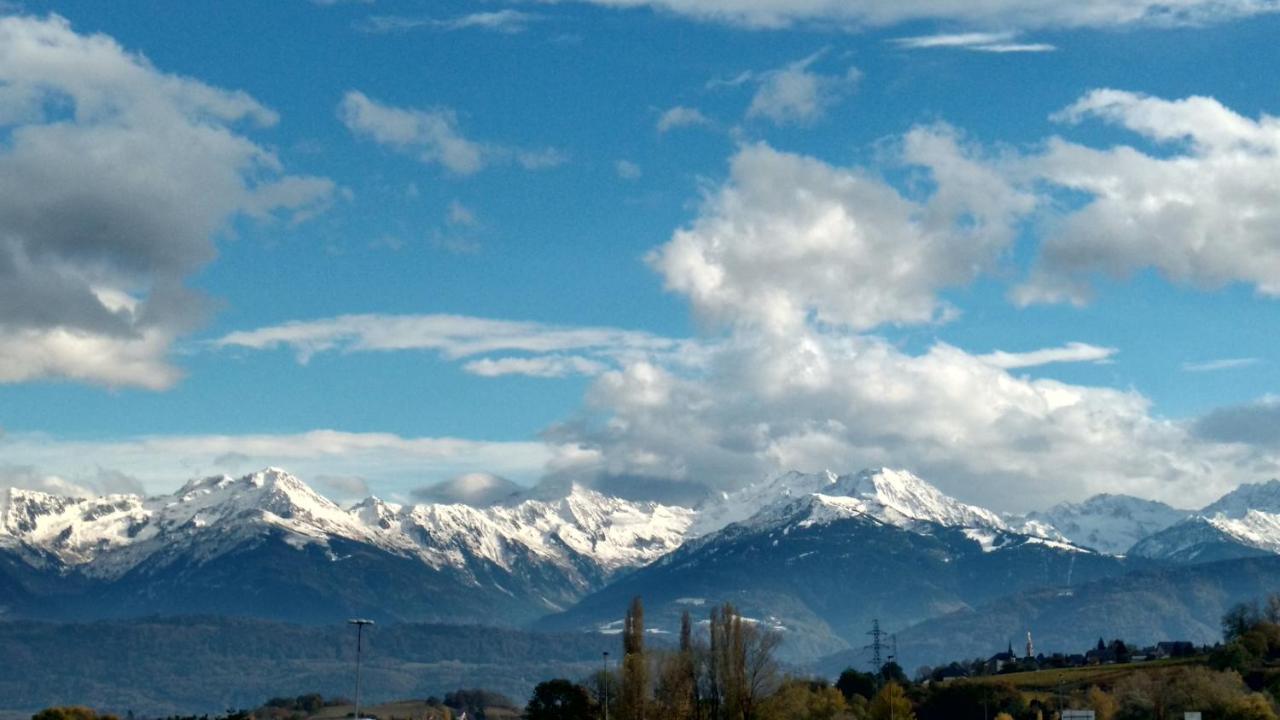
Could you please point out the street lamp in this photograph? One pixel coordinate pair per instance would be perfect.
(359, 623)
(604, 684)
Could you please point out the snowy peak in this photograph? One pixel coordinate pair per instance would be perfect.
(1264, 497)
(895, 497)
(1108, 523)
(898, 497)
(585, 534)
(1246, 519)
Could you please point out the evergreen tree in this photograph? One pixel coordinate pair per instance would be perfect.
(676, 693)
(632, 704)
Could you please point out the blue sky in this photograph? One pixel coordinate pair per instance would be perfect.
(425, 239)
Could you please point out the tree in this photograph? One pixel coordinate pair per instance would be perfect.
(966, 699)
(1238, 620)
(852, 683)
(676, 692)
(807, 699)
(71, 712)
(634, 698)
(742, 668)
(1104, 706)
(1120, 651)
(560, 700)
(893, 672)
(891, 703)
(1253, 706)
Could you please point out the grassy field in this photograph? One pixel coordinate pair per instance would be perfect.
(1068, 680)
(405, 710)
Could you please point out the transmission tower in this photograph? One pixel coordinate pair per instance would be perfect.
(877, 646)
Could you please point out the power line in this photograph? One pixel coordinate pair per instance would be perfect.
(877, 645)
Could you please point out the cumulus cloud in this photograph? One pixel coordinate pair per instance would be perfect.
(89, 483)
(337, 461)
(680, 117)
(1254, 424)
(434, 137)
(1202, 212)
(795, 95)
(114, 181)
(342, 487)
(455, 337)
(994, 13)
(788, 236)
(793, 259)
(818, 400)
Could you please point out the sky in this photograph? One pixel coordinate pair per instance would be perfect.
(1028, 250)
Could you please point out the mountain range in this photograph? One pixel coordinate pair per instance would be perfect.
(817, 556)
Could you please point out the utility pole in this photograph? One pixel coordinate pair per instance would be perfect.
(359, 623)
(876, 647)
(604, 685)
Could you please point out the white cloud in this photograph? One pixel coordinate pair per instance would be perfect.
(992, 13)
(389, 463)
(542, 347)
(1014, 47)
(433, 136)
(794, 257)
(1003, 42)
(1221, 364)
(1070, 353)
(794, 95)
(546, 366)
(788, 236)
(680, 117)
(1203, 213)
(114, 180)
(460, 214)
(627, 170)
(815, 400)
(506, 22)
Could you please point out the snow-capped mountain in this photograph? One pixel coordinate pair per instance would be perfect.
(895, 497)
(1107, 523)
(1245, 521)
(528, 558)
(244, 545)
(820, 565)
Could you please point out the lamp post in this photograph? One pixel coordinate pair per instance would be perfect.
(359, 623)
(604, 684)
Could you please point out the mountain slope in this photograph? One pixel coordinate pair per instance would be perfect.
(1243, 523)
(1109, 523)
(1143, 607)
(190, 666)
(820, 568)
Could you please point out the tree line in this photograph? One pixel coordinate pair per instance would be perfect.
(728, 672)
